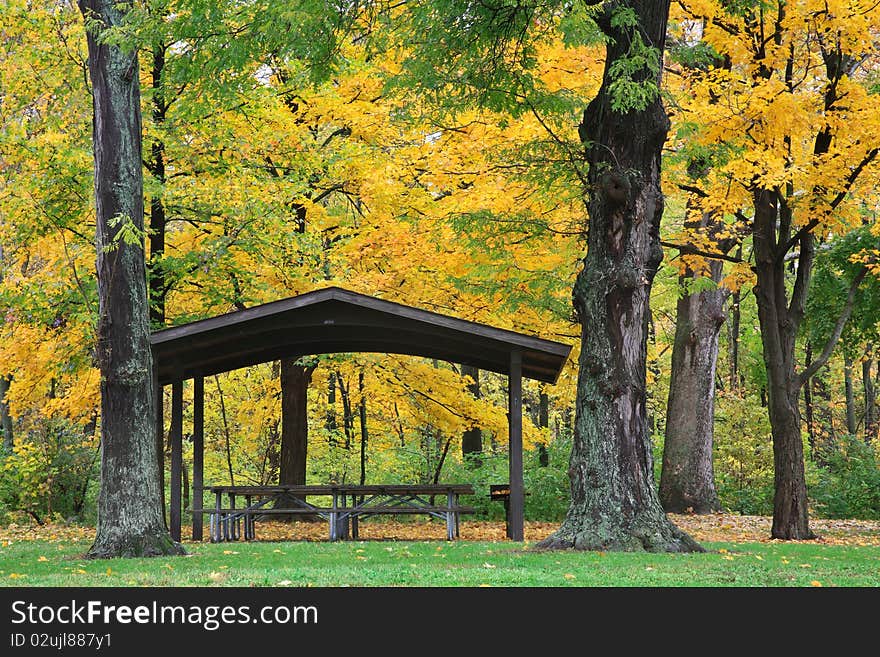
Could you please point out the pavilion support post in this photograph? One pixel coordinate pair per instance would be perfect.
(160, 437)
(198, 455)
(517, 489)
(176, 457)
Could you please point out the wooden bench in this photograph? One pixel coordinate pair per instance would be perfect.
(232, 523)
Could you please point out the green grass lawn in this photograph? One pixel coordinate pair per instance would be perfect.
(438, 563)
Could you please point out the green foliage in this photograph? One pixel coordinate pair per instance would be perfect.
(634, 77)
(743, 455)
(547, 487)
(833, 273)
(848, 483)
(700, 55)
(48, 471)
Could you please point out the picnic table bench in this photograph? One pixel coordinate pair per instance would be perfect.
(347, 504)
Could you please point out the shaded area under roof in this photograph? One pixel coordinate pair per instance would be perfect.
(334, 320)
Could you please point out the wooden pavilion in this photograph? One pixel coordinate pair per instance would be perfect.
(334, 320)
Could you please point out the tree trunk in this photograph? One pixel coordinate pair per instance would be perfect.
(330, 420)
(294, 426)
(130, 519)
(733, 341)
(687, 480)
(156, 166)
(5, 381)
(614, 505)
(5, 417)
(543, 422)
(808, 403)
(870, 400)
(472, 438)
(850, 396)
(362, 412)
(347, 412)
(779, 324)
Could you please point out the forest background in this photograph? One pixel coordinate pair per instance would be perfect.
(267, 176)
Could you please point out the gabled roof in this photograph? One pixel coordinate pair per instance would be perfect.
(333, 320)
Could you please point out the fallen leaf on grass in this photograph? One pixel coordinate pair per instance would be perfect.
(815, 582)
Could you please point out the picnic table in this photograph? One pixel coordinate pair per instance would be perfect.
(348, 503)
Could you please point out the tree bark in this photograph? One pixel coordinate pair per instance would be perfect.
(5, 417)
(779, 323)
(472, 438)
(543, 422)
(870, 400)
(850, 396)
(5, 381)
(156, 166)
(614, 504)
(733, 341)
(687, 480)
(295, 381)
(362, 412)
(808, 403)
(130, 519)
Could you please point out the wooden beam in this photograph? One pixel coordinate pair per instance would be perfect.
(517, 490)
(198, 455)
(176, 456)
(160, 437)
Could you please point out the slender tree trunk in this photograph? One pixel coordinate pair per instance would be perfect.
(850, 396)
(226, 433)
(779, 324)
(330, 421)
(823, 409)
(362, 412)
(687, 480)
(5, 417)
(347, 412)
(156, 166)
(808, 403)
(472, 439)
(543, 422)
(614, 504)
(130, 519)
(870, 400)
(733, 341)
(5, 381)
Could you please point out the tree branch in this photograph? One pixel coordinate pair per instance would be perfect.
(819, 362)
(690, 250)
(850, 180)
(802, 281)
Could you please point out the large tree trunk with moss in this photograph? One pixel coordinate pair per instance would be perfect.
(130, 519)
(687, 480)
(614, 504)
